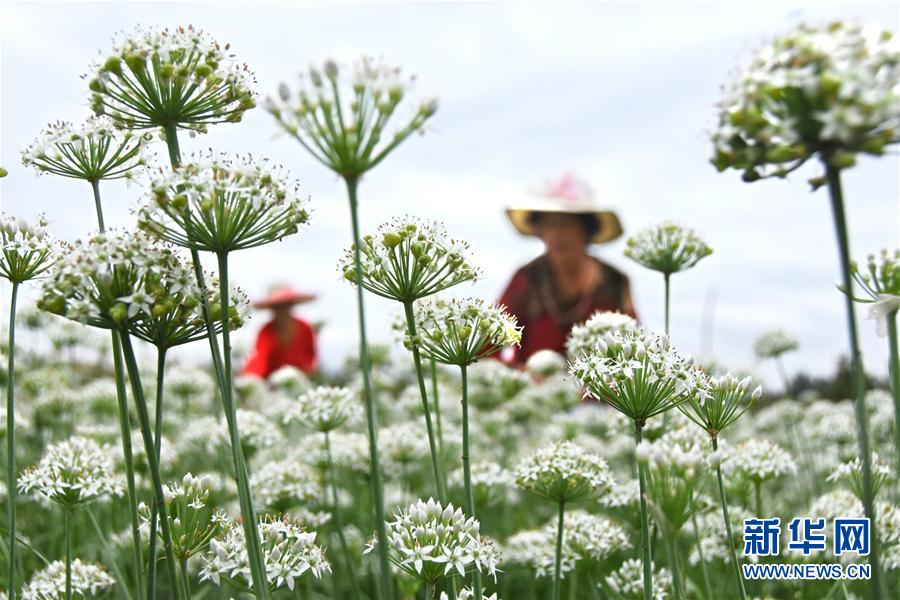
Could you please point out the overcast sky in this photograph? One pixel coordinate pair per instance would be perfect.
(622, 94)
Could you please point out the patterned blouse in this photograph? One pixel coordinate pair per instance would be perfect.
(547, 320)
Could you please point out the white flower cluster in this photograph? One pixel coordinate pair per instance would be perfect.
(774, 343)
(881, 283)
(93, 151)
(409, 259)
(26, 251)
(343, 123)
(564, 472)
(850, 474)
(638, 373)
(759, 460)
(88, 579)
(830, 88)
(289, 552)
(72, 472)
(462, 331)
(667, 248)
(587, 538)
(628, 581)
(430, 541)
(323, 408)
(114, 280)
(220, 204)
(160, 77)
(491, 483)
(584, 335)
(283, 484)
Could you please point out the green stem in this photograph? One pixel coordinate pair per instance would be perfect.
(67, 517)
(467, 467)
(672, 549)
(11, 443)
(124, 430)
(248, 514)
(731, 550)
(707, 586)
(757, 496)
(157, 442)
(338, 520)
(110, 555)
(645, 527)
(95, 186)
(666, 277)
(833, 176)
(784, 378)
(437, 405)
(375, 466)
(171, 132)
(439, 482)
(137, 392)
(895, 378)
(185, 578)
(557, 564)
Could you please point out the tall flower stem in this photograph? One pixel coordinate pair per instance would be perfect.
(667, 285)
(707, 586)
(833, 176)
(248, 514)
(417, 360)
(645, 526)
(67, 518)
(731, 550)
(338, 520)
(895, 378)
(783, 374)
(375, 479)
(124, 429)
(467, 466)
(557, 565)
(11, 443)
(672, 549)
(157, 442)
(437, 405)
(137, 392)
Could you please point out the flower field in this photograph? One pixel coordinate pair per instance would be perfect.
(429, 469)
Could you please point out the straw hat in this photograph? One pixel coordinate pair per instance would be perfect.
(565, 195)
(283, 295)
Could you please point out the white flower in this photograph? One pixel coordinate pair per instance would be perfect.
(667, 248)
(72, 472)
(289, 552)
(282, 485)
(95, 150)
(323, 408)
(850, 474)
(564, 472)
(584, 335)
(88, 579)
(180, 77)
(628, 581)
(431, 542)
(26, 251)
(774, 343)
(221, 204)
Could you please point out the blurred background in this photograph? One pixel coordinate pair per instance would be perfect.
(621, 94)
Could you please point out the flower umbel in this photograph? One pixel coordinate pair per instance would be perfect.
(667, 248)
(222, 204)
(564, 472)
(431, 542)
(409, 259)
(26, 251)
(289, 552)
(829, 91)
(343, 123)
(774, 343)
(324, 408)
(720, 402)
(460, 332)
(88, 580)
(96, 150)
(636, 372)
(584, 335)
(171, 78)
(72, 472)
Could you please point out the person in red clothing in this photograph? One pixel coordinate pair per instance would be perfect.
(566, 284)
(286, 339)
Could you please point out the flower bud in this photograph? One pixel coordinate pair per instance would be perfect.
(331, 69)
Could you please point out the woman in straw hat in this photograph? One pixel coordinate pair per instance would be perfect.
(566, 284)
(286, 339)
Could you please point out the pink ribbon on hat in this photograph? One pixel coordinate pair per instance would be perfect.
(566, 188)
